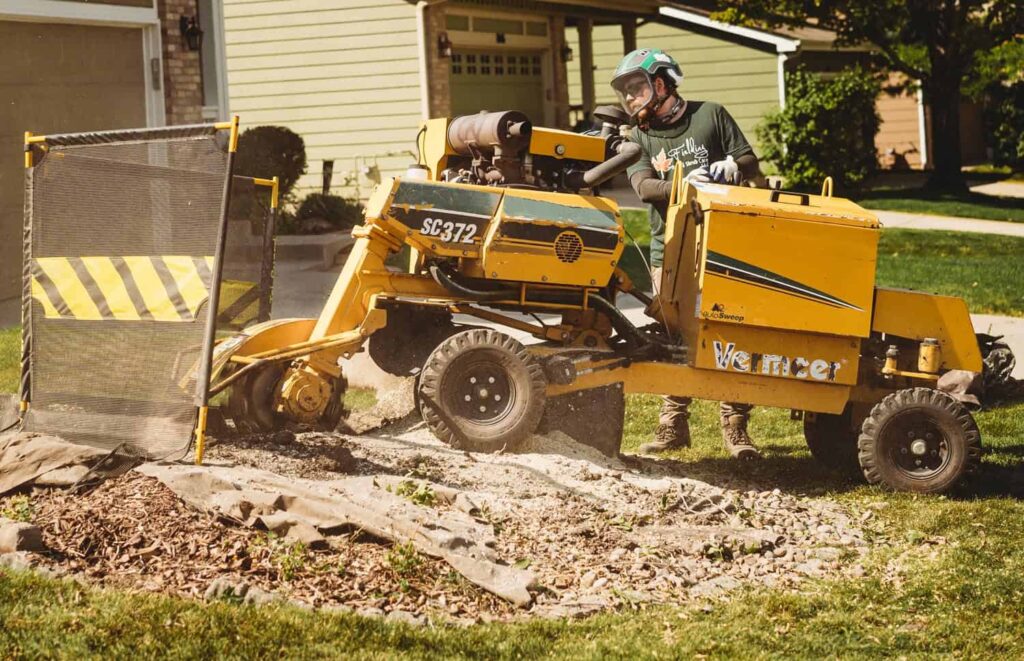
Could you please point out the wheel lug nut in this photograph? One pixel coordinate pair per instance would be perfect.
(483, 409)
(483, 393)
(497, 398)
(490, 379)
(468, 398)
(472, 379)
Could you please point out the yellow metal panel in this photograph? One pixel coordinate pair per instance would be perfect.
(778, 354)
(554, 250)
(788, 274)
(916, 315)
(563, 144)
(784, 204)
(684, 381)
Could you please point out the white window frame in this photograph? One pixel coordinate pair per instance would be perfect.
(214, 30)
(87, 13)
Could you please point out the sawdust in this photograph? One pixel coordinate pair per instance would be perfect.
(598, 532)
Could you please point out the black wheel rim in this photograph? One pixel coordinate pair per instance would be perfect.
(480, 391)
(916, 445)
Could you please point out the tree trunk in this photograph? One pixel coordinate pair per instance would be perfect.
(943, 98)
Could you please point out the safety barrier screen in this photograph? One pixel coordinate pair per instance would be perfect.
(248, 277)
(121, 231)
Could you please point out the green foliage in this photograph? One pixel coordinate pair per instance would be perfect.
(941, 43)
(341, 213)
(17, 508)
(1004, 116)
(419, 493)
(404, 559)
(827, 129)
(272, 151)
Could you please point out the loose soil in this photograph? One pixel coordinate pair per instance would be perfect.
(598, 532)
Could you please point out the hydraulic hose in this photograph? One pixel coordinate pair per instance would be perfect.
(629, 153)
(443, 279)
(622, 325)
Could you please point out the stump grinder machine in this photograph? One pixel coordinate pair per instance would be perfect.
(767, 297)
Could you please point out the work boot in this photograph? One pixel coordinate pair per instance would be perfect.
(737, 441)
(668, 437)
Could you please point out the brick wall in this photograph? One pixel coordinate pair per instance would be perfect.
(560, 83)
(183, 82)
(438, 68)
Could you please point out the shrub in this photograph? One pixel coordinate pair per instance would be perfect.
(272, 151)
(339, 212)
(827, 129)
(1004, 115)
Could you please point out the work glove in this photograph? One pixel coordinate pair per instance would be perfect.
(726, 172)
(700, 175)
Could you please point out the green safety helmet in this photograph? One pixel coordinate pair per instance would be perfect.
(633, 80)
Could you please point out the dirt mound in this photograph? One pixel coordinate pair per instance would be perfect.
(597, 531)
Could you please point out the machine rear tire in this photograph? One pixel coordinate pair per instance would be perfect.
(832, 440)
(481, 390)
(919, 440)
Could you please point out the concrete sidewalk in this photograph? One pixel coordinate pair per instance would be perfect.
(949, 223)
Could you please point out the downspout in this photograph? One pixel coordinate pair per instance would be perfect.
(782, 79)
(922, 128)
(424, 53)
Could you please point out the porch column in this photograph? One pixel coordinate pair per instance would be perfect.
(628, 36)
(585, 28)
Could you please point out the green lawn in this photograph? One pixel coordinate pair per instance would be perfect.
(968, 205)
(956, 589)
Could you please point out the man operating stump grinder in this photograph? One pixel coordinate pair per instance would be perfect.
(703, 138)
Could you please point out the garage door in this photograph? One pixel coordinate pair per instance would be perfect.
(497, 80)
(59, 79)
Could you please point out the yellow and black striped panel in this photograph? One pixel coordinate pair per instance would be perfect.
(163, 288)
(239, 304)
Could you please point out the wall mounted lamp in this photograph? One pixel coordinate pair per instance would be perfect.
(444, 45)
(191, 32)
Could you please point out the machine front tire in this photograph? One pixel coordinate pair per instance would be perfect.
(919, 440)
(481, 390)
(832, 440)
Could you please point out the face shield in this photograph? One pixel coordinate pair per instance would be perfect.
(634, 90)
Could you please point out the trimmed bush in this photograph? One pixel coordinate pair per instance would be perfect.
(338, 213)
(827, 129)
(272, 151)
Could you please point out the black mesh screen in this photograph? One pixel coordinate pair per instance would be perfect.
(246, 287)
(123, 229)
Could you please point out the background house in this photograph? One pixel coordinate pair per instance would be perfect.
(355, 78)
(70, 65)
(743, 69)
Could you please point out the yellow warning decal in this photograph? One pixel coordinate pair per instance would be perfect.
(152, 288)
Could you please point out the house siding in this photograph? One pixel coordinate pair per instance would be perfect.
(743, 79)
(344, 76)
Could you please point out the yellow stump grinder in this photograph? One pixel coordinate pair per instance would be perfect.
(767, 297)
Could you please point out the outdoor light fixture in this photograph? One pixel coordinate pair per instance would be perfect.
(444, 45)
(189, 26)
(566, 54)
